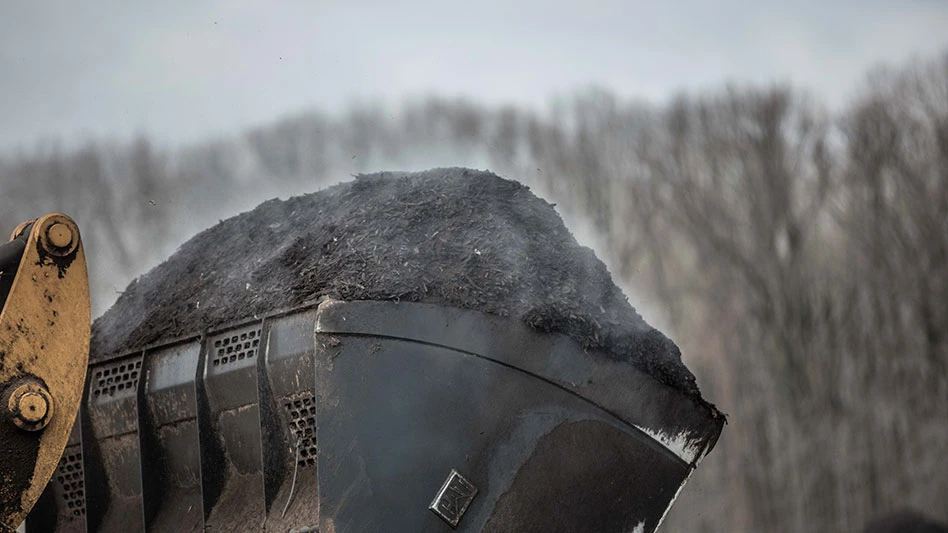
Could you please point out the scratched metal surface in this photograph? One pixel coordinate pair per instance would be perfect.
(399, 409)
(350, 417)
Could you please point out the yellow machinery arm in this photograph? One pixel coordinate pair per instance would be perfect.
(44, 351)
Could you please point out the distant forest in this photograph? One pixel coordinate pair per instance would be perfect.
(799, 256)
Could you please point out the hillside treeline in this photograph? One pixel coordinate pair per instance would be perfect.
(799, 256)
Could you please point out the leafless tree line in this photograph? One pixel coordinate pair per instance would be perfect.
(799, 256)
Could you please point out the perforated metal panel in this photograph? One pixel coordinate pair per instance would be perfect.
(231, 458)
(235, 346)
(111, 378)
(301, 412)
(113, 484)
(70, 477)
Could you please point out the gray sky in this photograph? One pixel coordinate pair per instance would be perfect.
(186, 71)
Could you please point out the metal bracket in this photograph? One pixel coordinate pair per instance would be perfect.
(44, 350)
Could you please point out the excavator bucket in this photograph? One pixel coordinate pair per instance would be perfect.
(374, 416)
(425, 352)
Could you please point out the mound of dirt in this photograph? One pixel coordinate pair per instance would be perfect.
(455, 237)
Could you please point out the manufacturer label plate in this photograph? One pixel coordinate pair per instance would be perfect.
(453, 499)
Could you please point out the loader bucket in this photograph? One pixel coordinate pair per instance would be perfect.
(404, 352)
(368, 416)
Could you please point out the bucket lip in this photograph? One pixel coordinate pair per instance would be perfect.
(677, 422)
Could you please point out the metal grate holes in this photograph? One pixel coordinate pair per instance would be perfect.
(302, 414)
(70, 477)
(115, 377)
(236, 346)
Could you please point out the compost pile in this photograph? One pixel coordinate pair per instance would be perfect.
(454, 237)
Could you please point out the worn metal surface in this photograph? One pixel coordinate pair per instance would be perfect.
(114, 500)
(350, 417)
(62, 507)
(44, 351)
(288, 420)
(231, 444)
(685, 427)
(406, 392)
(168, 438)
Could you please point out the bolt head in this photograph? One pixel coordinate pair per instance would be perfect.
(59, 235)
(30, 406)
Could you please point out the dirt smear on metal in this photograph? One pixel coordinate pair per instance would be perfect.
(455, 237)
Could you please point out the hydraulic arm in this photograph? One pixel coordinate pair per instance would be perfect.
(44, 351)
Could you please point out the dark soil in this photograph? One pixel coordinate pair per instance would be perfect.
(455, 237)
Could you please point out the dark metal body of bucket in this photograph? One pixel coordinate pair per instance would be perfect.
(374, 416)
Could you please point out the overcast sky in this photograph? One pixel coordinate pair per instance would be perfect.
(185, 71)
